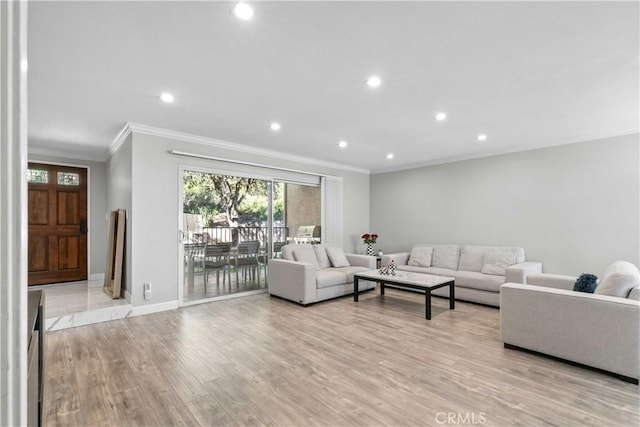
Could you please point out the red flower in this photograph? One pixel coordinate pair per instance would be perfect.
(370, 238)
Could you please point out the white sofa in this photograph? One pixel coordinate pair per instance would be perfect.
(466, 264)
(310, 273)
(600, 331)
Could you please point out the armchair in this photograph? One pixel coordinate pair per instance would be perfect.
(599, 331)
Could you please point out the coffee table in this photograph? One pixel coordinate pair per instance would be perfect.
(408, 281)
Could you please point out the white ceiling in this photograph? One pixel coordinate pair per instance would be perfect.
(526, 74)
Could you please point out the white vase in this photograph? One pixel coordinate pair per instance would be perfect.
(370, 250)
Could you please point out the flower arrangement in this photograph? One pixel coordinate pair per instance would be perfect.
(370, 238)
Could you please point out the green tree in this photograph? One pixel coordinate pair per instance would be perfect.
(208, 194)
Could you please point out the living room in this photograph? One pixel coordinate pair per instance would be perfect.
(556, 173)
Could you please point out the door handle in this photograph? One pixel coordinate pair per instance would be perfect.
(83, 226)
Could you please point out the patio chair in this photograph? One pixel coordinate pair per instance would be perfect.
(277, 249)
(193, 256)
(263, 258)
(247, 259)
(216, 258)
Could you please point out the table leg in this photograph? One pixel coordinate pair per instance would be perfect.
(427, 303)
(452, 297)
(355, 288)
(381, 288)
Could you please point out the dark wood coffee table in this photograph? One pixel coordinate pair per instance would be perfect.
(408, 281)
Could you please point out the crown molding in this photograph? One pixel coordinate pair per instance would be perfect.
(506, 150)
(212, 142)
(43, 151)
(118, 141)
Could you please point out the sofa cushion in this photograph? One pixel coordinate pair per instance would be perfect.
(634, 294)
(420, 256)
(496, 261)
(350, 271)
(305, 253)
(321, 256)
(329, 277)
(475, 280)
(438, 271)
(472, 257)
(446, 256)
(618, 280)
(337, 257)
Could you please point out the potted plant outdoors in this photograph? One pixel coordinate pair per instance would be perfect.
(370, 240)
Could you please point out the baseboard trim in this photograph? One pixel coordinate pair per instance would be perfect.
(97, 276)
(141, 310)
(223, 297)
(571, 362)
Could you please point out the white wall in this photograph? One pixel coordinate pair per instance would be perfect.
(98, 224)
(155, 206)
(119, 196)
(574, 207)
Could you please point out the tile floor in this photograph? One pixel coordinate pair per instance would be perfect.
(76, 297)
(71, 304)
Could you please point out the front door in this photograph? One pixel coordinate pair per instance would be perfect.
(57, 224)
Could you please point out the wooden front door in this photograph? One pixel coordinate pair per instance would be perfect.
(57, 224)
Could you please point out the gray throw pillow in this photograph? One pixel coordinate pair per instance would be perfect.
(337, 257)
(321, 256)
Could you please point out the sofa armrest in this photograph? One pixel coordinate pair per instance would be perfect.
(518, 273)
(557, 281)
(594, 330)
(295, 281)
(401, 258)
(362, 260)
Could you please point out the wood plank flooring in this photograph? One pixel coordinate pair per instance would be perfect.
(265, 361)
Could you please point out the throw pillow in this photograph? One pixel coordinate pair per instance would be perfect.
(497, 261)
(421, 256)
(305, 253)
(337, 257)
(321, 256)
(618, 280)
(586, 283)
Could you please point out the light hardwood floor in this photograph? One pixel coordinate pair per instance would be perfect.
(265, 361)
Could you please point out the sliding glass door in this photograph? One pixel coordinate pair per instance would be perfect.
(232, 225)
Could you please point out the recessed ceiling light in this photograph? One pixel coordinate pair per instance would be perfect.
(482, 137)
(342, 144)
(166, 97)
(374, 81)
(275, 126)
(441, 116)
(243, 11)
(389, 156)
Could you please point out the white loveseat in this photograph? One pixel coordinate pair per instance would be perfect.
(310, 273)
(600, 330)
(479, 271)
